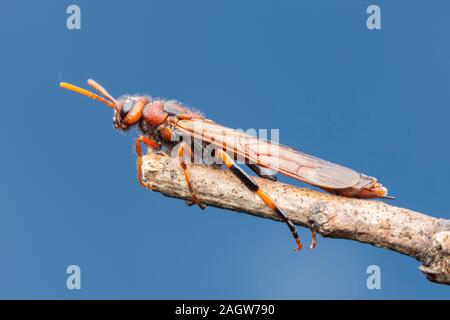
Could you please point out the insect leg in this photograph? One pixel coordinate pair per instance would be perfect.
(184, 147)
(313, 244)
(150, 143)
(253, 186)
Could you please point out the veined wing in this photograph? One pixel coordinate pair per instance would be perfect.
(271, 155)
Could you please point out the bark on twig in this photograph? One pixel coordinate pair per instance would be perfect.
(411, 233)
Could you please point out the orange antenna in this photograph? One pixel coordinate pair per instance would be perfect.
(89, 94)
(94, 84)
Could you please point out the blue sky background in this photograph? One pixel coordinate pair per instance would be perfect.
(376, 101)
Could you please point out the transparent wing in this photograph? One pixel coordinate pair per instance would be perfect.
(271, 155)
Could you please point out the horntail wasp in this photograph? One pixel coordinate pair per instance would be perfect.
(162, 122)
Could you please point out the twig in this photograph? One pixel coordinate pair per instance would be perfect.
(411, 233)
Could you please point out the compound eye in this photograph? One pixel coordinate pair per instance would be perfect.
(126, 108)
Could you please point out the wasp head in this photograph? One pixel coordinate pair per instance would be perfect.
(127, 110)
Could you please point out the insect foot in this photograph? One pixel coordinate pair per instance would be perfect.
(190, 203)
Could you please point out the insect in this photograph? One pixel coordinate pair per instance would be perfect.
(163, 122)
